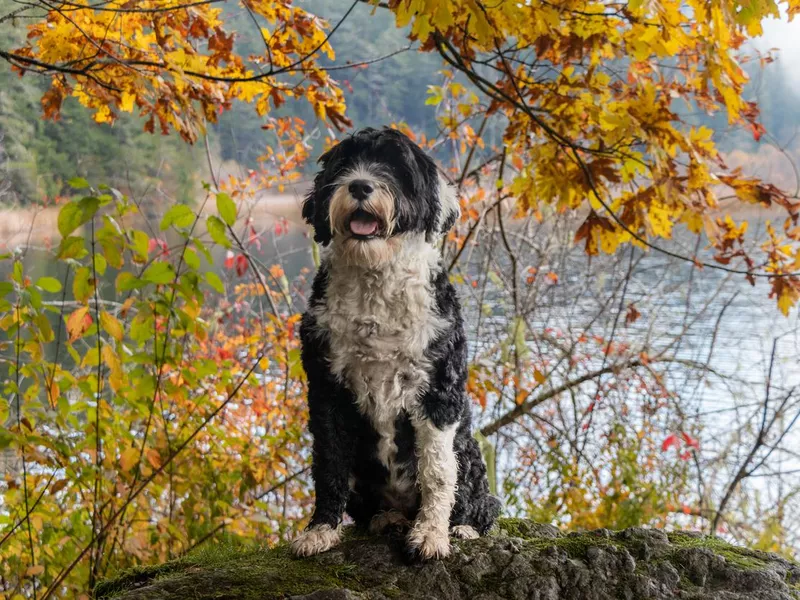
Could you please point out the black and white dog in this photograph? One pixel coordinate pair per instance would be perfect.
(385, 354)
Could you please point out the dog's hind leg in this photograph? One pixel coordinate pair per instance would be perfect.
(485, 511)
(475, 506)
(387, 519)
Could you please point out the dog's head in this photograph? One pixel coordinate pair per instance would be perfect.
(373, 187)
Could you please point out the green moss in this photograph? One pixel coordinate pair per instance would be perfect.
(742, 558)
(574, 544)
(254, 574)
(514, 527)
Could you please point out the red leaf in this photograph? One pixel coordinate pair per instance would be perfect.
(241, 265)
(690, 441)
(672, 440)
(758, 130)
(229, 260)
(154, 243)
(253, 239)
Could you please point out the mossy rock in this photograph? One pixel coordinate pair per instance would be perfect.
(520, 560)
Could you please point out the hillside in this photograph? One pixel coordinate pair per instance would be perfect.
(37, 157)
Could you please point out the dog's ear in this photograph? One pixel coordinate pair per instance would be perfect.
(431, 185)
(449, 208)
(315, 204)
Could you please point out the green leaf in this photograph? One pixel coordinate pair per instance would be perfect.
(159, 272)
(81, 288)
(216, 229)
(202, 248)
(6, 437)
(215, 282)
(78, 183)
(112, 254)
(128, 281)
(142, 329)
(100, 264)
(75, 214)
(49, 284)
(71, 247)
(18, 272)
(139, 244)
(179, 215)
(226, 208)
(191, 259)
(36, 297)
(45, 330)
(6, 288)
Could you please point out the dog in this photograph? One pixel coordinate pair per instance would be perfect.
(384, 349)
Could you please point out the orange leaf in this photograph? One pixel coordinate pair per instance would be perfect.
(153, 457)
(78, 322)
(34, 570)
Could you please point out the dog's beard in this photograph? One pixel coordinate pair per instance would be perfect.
(373, 251)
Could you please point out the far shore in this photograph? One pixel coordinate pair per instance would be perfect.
(38, 226)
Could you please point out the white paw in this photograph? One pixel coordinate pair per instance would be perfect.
(315, 540)
(464, 532)
(429, 541)
(386, 519)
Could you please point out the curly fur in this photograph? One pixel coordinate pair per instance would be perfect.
(385, 354)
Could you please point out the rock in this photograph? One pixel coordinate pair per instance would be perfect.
(520, 561)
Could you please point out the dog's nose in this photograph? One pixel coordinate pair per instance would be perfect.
(360, 189)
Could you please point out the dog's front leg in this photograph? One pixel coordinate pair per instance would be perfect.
(436, 475)
(331, 464)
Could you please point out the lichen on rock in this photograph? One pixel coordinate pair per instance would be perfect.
(521, 560)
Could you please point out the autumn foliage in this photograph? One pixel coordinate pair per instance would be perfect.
(147, 423)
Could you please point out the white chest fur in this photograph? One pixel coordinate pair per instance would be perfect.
(381, 320)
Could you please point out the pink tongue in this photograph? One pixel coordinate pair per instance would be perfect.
(360, 227)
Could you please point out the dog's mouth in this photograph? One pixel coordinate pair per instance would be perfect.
(364, 225)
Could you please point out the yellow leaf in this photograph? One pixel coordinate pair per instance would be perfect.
(785, 303)
(126, 102)
(111, 325)
(53, 393)
(539, 376)
(128, 459)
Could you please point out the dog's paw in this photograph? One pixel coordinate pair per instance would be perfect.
(315, 540)
(387, 519)
(427, 541)
(464, 532)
